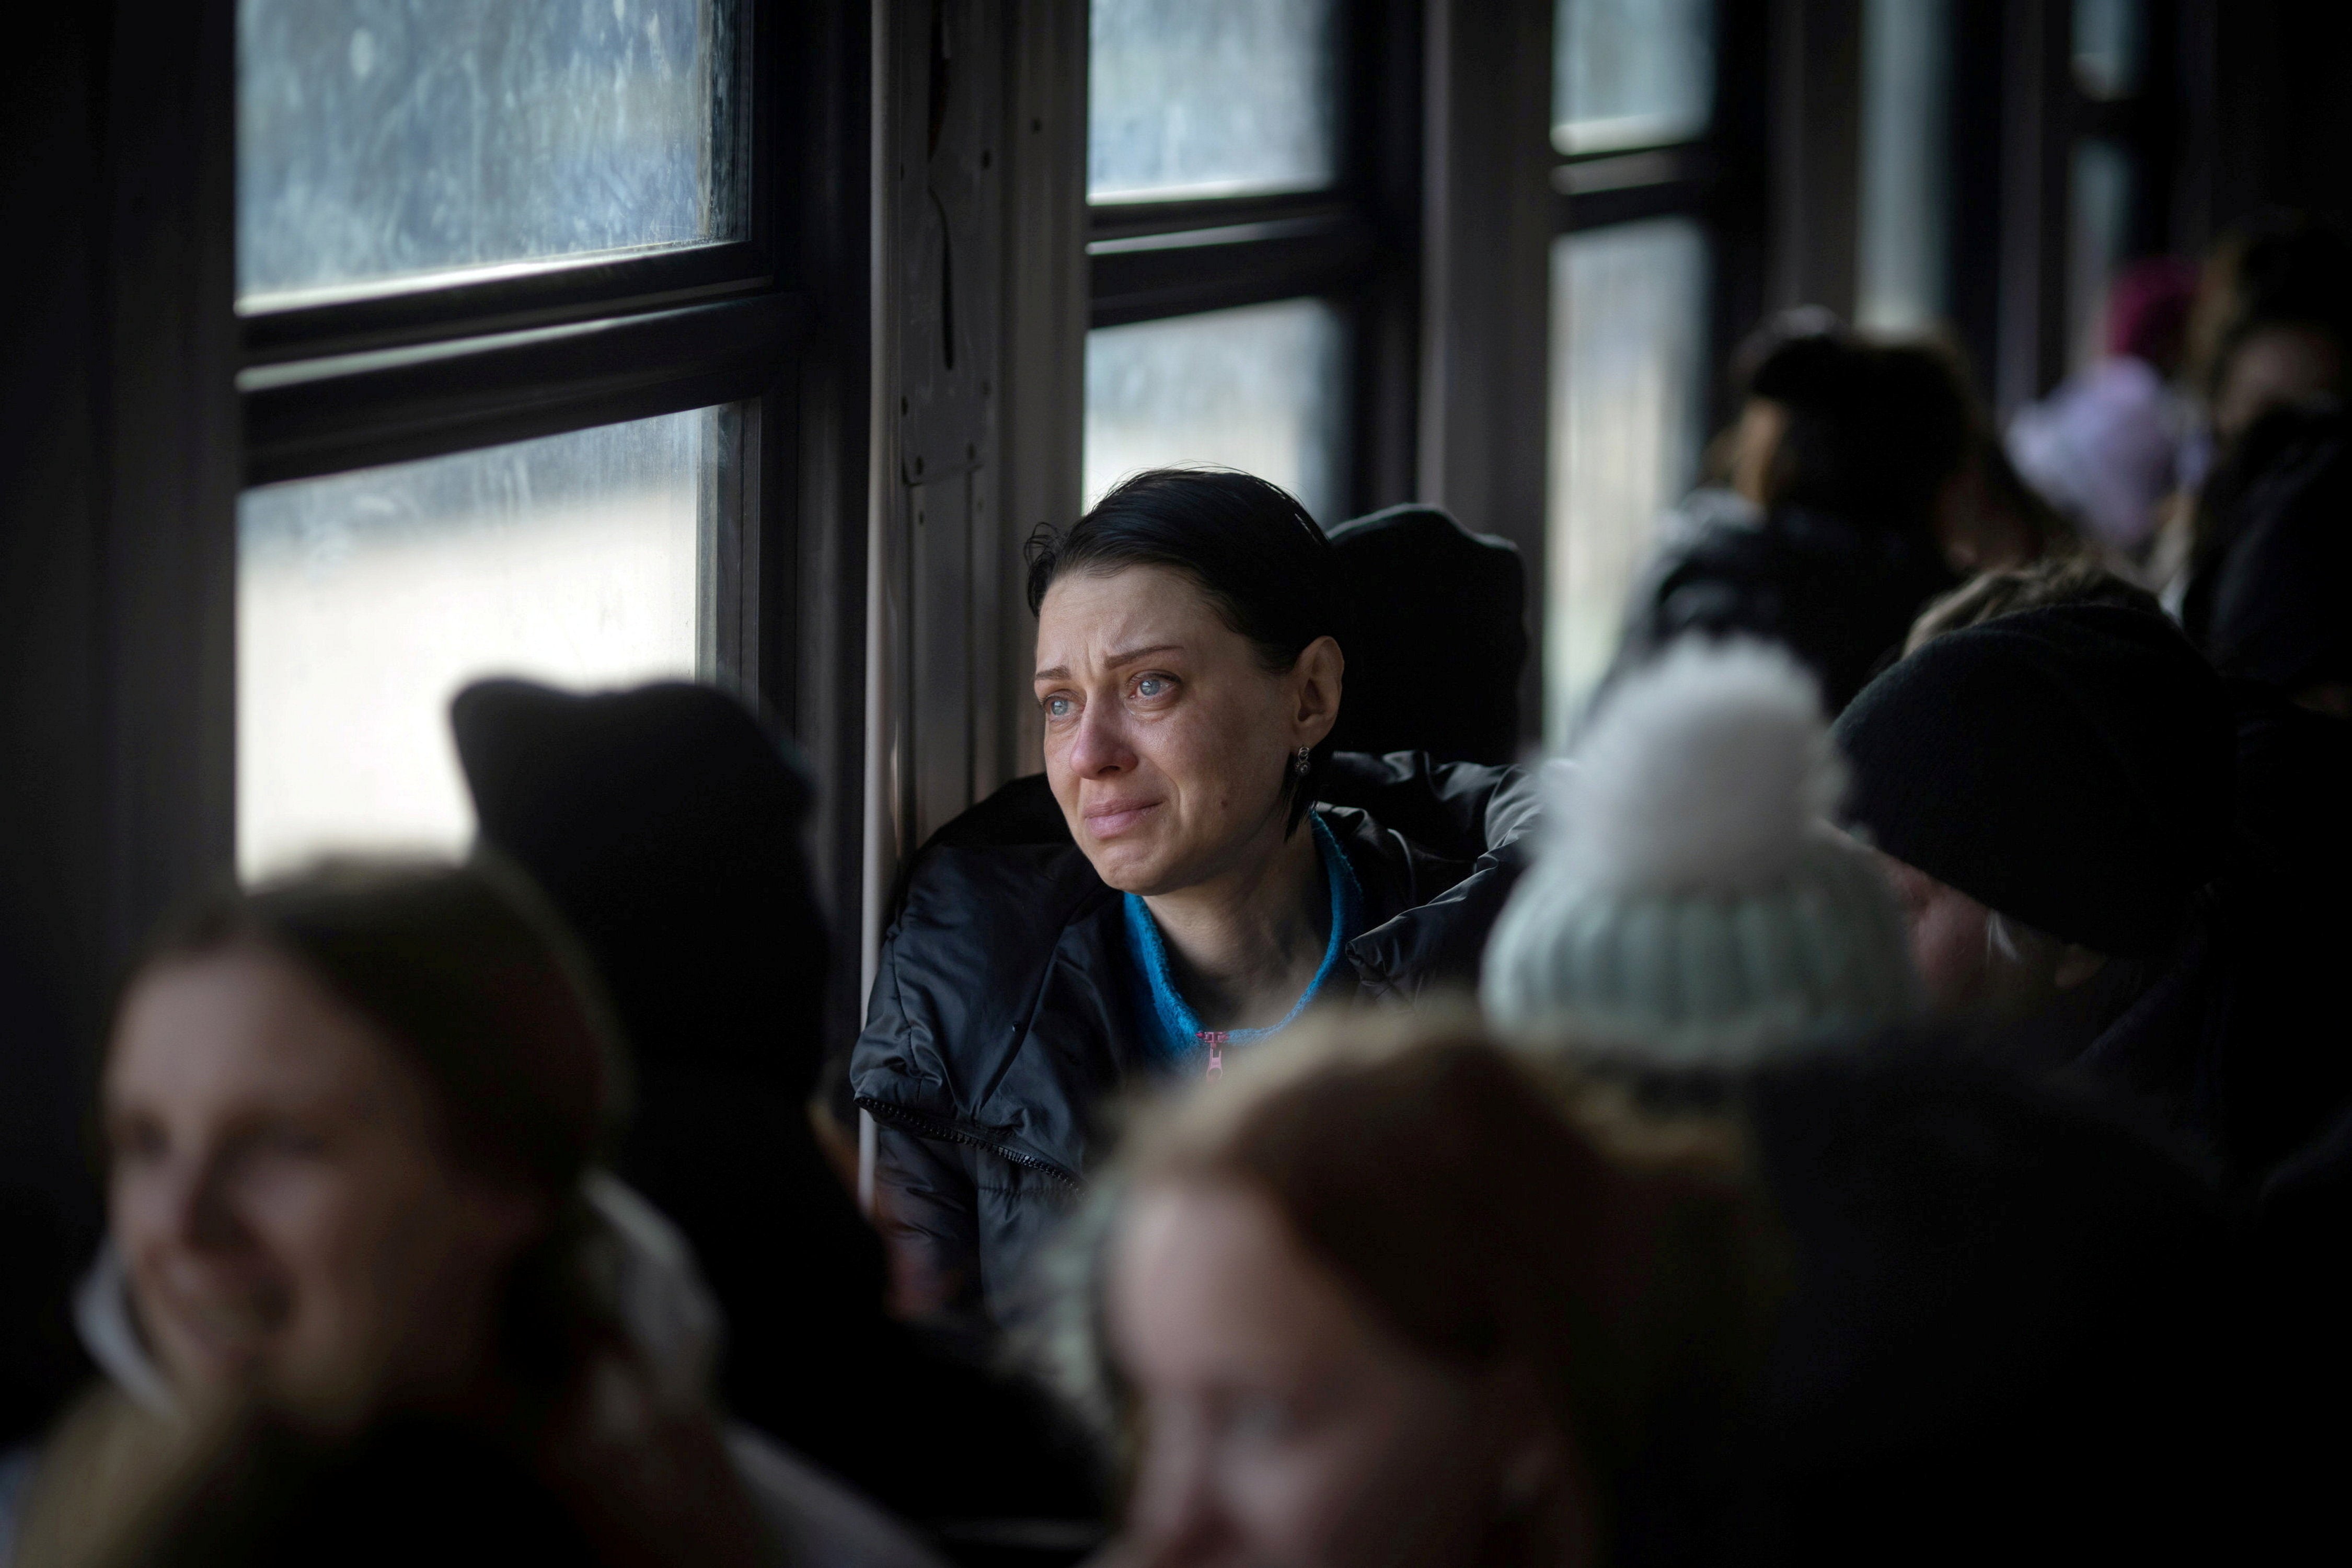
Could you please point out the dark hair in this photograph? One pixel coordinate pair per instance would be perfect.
(1251, 549)
(470, 978)
(1874, 430)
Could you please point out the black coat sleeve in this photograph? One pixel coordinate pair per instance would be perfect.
(927, 1204)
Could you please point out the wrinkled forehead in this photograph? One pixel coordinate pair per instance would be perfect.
(1089, 616)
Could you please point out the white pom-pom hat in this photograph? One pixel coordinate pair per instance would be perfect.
(1692, 905)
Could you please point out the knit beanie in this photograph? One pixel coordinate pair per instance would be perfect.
(2070, 766)
(1693, 907)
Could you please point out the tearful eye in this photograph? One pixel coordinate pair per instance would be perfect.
(1060, 707)
(1151, 686)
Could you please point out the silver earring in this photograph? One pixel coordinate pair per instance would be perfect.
(1299, 767)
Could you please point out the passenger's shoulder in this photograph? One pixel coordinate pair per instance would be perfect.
(1461, 810)
(1006, 868)
(821, 1521)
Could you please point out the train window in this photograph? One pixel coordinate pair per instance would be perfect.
(366, 599)
(1629, 374)
(1631, 73)
(1232, 253)
(2110, 46)
(1210, 98)
(1900, 273)
(381, 141)
(513, 296)
(2114, 209)
(1257, 388)
(1633, 92)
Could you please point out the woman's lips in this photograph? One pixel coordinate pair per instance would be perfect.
(1110, 821)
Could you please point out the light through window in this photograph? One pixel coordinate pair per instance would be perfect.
(1256, 388)
(1193, 98)
(381, 138)
(1631, 73)
(1627, 377)
(365, 600)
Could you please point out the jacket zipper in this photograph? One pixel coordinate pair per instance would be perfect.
(1215, 1040)
(932, 1127)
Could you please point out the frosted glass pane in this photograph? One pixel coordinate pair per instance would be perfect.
(383, 138)
(2109, 46)
(365, 600)
(1905, 75)
(1210, 98)
(1257, 389)
(1631, 73)
(1628, 382)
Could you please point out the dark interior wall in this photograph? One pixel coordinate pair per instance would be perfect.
(2271, 80)
(52, 777)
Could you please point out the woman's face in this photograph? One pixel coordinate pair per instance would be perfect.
(1166, 738)
(1953, 949)
(280, 1198)
(1284, 1426)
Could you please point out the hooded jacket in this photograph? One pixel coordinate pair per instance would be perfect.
(1004, 1017)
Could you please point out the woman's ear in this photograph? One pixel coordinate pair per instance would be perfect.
(1316, 680)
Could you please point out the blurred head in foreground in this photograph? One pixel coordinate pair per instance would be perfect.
(1377, 1298)
(1694, 907)
(341, 1114)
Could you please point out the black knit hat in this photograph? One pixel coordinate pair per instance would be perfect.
(665, 823)
(2069, 766)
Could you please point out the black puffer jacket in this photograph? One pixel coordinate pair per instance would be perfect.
(1838, 596)
(1004, 1019)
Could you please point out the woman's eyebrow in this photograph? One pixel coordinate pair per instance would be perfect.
(1124, 656)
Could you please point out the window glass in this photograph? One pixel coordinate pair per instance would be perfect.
(1258, 389)
(1210, 98)
(1631, 73)
(2100, 211)
(365, 600)
(1628, 378)
(378, 139)
(1906, 51)
(2109, 46)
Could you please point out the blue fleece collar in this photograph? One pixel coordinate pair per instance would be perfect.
(1172, 1029)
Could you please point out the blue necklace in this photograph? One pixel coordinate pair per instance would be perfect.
(1176, 1029)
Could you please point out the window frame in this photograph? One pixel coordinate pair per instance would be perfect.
(1717, 179)
(1353, 245)
(410, 369)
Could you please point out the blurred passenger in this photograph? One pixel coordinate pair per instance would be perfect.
(2273, 323)
(1379, 1300)
(1183, 896)
(2003, 1321)
(1851, 464)
(352, 1122)
(665, 824)
(2051, 792)
(1692, 906)
(2280, 896)
(2270, 554)
(2109, 446)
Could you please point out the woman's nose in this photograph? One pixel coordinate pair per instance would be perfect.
(1100, 748)
(189, 1198)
